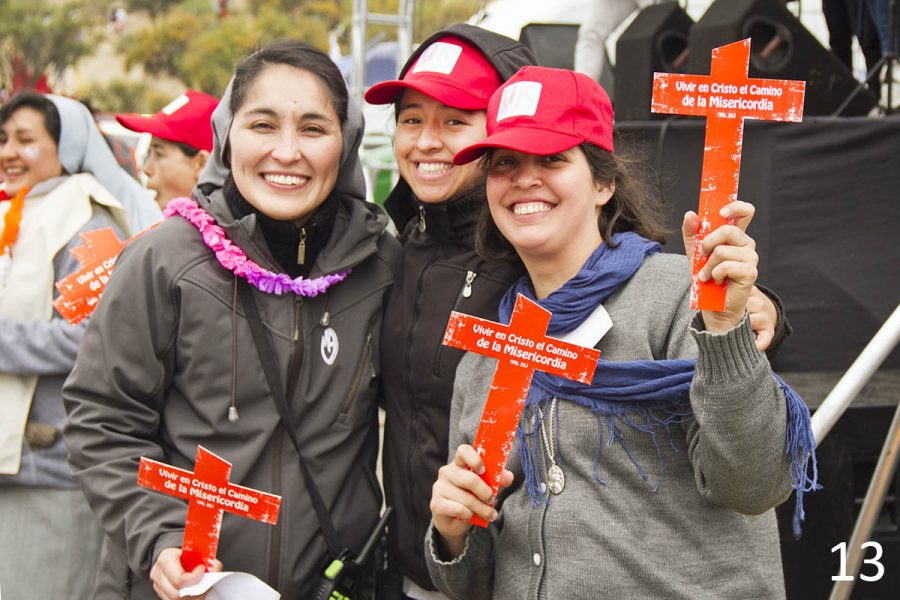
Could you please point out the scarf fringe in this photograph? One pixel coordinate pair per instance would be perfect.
(800, 445)
(643, 420)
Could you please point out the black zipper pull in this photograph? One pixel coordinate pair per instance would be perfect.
(422, 225)
(301, 248)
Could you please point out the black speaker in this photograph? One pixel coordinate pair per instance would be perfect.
(656, 41)
(552, 44)
(780, 48)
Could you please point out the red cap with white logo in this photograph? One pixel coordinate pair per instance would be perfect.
(186, 119)
(450, 70)
(544, 111)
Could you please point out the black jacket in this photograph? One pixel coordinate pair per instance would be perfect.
(438, 272)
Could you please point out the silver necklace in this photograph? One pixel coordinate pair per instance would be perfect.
(556, 479)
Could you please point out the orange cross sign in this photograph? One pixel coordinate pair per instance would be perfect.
(522, 347)
(208, 494)
(80, 291)
(725, 97)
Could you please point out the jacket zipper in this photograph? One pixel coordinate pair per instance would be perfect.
(358, 376)
(278, 441)
(422, 225)
(465, 292)
(301, 247)
(126, 590)
(411, 499)
(297, 352)
(467, 288)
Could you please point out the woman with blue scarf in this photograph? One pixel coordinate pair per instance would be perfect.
(659, 479)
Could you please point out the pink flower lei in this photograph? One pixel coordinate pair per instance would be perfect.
(233, 258)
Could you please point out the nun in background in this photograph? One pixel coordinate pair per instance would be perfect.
(59, 179)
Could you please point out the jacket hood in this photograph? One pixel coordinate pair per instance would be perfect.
(505, 54)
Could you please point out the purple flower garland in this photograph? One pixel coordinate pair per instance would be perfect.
(233, 258)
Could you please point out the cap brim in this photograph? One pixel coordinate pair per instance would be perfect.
(530, 141)
(386, 92)
(147, 124)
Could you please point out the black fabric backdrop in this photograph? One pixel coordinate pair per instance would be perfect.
(827, 224)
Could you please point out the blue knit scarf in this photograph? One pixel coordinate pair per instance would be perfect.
(645, 395)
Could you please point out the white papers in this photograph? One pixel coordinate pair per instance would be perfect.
(591, 329)
(230, 586)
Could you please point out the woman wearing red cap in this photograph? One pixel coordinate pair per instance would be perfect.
(658, 479)
(440, 102)
(181, 143)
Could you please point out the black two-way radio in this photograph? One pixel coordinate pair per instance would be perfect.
(340, 577)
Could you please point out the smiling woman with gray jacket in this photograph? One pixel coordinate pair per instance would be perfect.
(169, 362)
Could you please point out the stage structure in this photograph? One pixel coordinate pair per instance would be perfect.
(360, 21)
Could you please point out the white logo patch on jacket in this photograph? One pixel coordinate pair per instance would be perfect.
(329, 346)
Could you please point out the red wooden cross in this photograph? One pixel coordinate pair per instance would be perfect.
(725, 97)
(522, 347)
(208, 494)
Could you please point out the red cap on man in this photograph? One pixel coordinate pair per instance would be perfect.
(544, 111)
(186, 120)
(450, 70)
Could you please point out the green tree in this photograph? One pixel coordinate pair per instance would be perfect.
(46, 37)
(160, 46)
(154, 7)
(201, 50)
(211, 56)
(120, 95)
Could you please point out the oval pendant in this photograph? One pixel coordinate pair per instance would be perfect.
(556, 481)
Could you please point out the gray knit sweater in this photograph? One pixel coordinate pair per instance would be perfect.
(707, 531)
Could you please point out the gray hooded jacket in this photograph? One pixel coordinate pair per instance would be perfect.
(155, 374)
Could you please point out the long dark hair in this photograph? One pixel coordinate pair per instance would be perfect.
(294, 54)
(634, 206)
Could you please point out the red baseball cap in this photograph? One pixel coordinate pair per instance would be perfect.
(450, 70)
(186, 119)
(543, 111)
